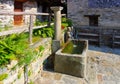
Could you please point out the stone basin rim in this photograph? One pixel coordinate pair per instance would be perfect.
(83, 54)
(59, 52)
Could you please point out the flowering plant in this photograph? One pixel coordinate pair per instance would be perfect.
(62, 27)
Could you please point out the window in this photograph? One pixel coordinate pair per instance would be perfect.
(93, 20)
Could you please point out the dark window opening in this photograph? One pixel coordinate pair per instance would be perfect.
(93, 20)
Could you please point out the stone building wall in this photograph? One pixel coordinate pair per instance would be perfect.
(29, 7)
(109, 15)
(6, 6)
(39, 9)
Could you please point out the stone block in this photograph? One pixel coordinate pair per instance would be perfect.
(72, 64)
(55, 46)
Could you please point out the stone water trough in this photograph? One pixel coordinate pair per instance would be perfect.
(72, 58)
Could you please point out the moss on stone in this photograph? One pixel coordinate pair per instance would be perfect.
(19, 75)
(73, 47)
(29, 73)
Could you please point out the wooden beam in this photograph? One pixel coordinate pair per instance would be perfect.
(19, 30)
(30, 29)
(22, 13)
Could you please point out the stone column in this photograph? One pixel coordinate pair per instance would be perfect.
(57, 21)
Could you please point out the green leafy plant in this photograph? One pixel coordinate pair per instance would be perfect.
(41, 48)
(6, 27)
(31, 82)
(16, 47)
(39, 23)
(26, 58)
(70, 23)
(29, 73)
(12, 47)
(64, 20)
(19, 75)
(44, 32)
(3, 76)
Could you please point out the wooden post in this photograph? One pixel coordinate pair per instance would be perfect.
(26, 74)
(30, 29)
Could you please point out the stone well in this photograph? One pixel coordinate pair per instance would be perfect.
(72, 58)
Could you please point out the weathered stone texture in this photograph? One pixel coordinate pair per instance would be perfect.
(72, 64)
(78, 8)
(29, 7)
(6, 6)
(17, 76)
(104, 3)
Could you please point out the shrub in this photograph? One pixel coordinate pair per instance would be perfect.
(44, 32)
(70, 23)
(3, 76)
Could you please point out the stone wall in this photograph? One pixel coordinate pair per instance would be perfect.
(29, 7)
(34, 69)
(39, 9)
(6, 6)
(109, 16)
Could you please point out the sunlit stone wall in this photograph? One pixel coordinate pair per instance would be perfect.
(6, 6)
(29, 7)
(109, 11)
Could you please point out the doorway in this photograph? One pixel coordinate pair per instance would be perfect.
(18, 7)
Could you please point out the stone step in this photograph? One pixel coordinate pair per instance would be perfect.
(48, 77)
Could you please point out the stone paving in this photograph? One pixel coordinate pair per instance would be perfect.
(48, 77)
(103, 68)
(106, 64)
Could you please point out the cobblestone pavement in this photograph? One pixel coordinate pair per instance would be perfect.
(103, 67)
(105, 62)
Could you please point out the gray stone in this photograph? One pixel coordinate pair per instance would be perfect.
(76, 9)
(49, 77)
(7, 6)
(68, 80)
(57, 21)
(55, 45)
(72, 64)
(106, 63)
(109, 82)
